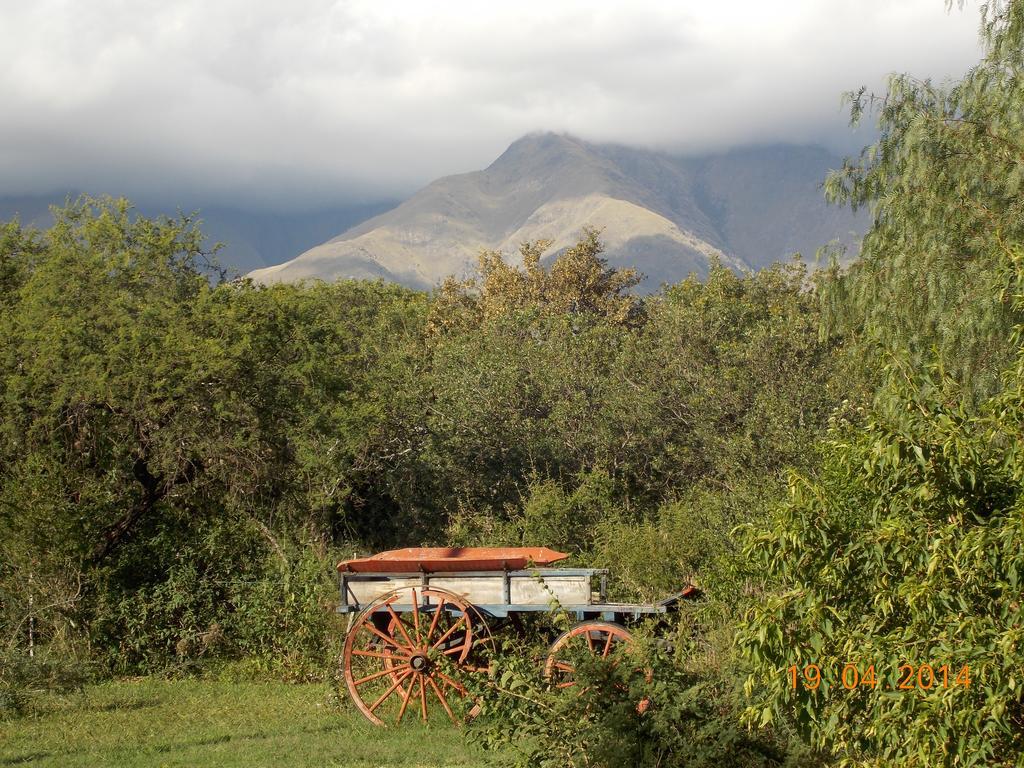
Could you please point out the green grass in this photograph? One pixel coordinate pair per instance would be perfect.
(201, 723)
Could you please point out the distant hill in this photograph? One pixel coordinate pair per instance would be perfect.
(251, 239)
(666, 216)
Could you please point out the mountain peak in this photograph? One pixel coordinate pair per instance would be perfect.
(665, 216)
(540, 140)
(539, 145)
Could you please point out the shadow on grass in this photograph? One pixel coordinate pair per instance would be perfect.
(124, 706)
(26, 758)
(204, 742)
(223, 739)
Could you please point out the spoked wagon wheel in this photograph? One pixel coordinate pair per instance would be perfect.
(598, 638)
(408, 653)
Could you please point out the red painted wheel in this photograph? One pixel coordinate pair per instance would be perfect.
(416, 657)
(597, 638)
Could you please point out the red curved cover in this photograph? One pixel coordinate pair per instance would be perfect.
(443, 559)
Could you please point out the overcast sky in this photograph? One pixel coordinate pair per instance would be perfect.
(309, 103)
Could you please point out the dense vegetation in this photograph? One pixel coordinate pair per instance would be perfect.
(906, 545)
(172, 447)
(833, 457)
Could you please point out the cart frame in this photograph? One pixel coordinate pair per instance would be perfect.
(601, 609)
(413, 637)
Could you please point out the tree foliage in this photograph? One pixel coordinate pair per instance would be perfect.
(180, 455)
(905, 548)
(943, 184)
(600, 434)
(165, 436)
(689, 715)
(578, 282)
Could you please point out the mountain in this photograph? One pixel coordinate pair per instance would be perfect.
(666, 216)
(251, 239)
(255, 239)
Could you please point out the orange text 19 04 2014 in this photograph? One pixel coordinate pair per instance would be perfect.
(904, 677)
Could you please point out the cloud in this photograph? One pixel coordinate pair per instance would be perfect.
(315, 102)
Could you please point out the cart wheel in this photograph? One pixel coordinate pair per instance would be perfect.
(598, 638)
(410, 650)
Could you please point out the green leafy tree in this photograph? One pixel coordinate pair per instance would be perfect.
(578, 282)
(943, 184)
(163, 433)
(689, 717)
(906, 549)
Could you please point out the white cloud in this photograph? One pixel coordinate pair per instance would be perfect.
(314, 101)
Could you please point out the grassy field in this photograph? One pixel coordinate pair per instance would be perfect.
(201, 723)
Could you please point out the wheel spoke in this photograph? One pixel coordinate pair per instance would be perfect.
(607, 646)
(406, 624)
(453, 683)
(386, 638)
(423, 699)
(564, 667)
(455, 649)
(374, 676)
(400, 625)
(390, 690)
(433, 624)
(451, 629)
(407, 692)
(590, 641)
(416, 615)
(378, 655)
(442, 699)
(569, 684)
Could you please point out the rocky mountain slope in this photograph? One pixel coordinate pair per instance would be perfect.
(665, 216)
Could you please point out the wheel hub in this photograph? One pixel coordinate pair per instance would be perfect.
(419, 662)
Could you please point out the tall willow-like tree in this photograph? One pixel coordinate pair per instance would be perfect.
(888, 622)
(943, 183)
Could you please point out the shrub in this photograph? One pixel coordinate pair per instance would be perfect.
(906, 549)
(689, 716)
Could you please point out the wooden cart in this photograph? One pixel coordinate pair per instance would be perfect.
(420, 620)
